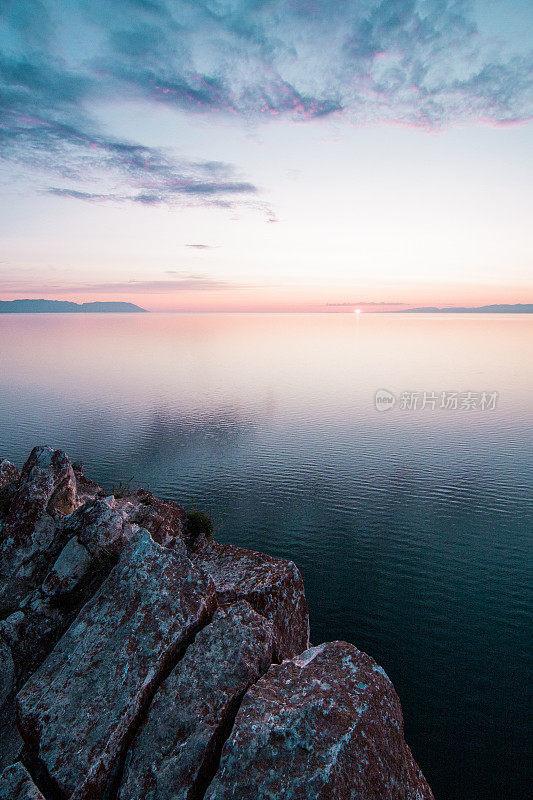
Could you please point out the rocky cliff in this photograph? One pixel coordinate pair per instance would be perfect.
(140, 659)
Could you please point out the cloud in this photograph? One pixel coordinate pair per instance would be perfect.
(366, 303)
(422, 62)
(200, 246)
(183, 283)
(44, 126)
(425, 63)
(145, 175)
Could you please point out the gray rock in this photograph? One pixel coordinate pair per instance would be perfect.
(78, 711)
(10, 739)
(99, 527)
(165, 519)
(31, 632)
(7, 672)
(16, 784)
(70, 568)
(325, 725)
(98, 534)
(177, 749)
(272, 586)
(86, 489)
(9, 473)
(47, 483)
(31, 535)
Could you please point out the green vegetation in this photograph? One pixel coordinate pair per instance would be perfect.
(198, 522)
(123, 489)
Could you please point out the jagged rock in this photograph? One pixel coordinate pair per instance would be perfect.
(16, 784)
(272, 586)
(7, 671)
(47, 483)
(86, 489)
(78, 710)
(99, 527)
(32, 631)
(177, 749)
(10, 739)
(31, 537)
(325, 725)
(70, 568)
(165, 519)
(9, 473)
(98, 534)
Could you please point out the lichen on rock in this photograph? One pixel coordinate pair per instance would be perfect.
(77, 711)
(327, 725)
(272, 586)
(177, 749)
(16, 784)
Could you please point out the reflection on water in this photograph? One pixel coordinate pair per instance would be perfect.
(410, 527)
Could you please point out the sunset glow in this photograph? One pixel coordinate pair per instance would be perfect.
(392, 171)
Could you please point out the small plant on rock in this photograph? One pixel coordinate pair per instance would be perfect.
(123, 489)
(198, 523)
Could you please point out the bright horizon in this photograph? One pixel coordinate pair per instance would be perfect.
(202, 158)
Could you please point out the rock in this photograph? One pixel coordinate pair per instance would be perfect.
(23, 565)
(72, 565)
(129, 686)
(10, 739)
(9, 473)
(325, 725)
(78, 711)
(98, 534)
(165, 519)
(32, 631)
(99, 527)
(31, 535)
(16, 784)
(86, 489)
(9, 478)
(272, 586)
(47, 484)
(7, 672)
(7, 493)
(177, 750)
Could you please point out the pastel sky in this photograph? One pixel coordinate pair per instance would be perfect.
(267, 155)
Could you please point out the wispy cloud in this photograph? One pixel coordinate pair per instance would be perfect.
(418, 62)
(201, 246)
(146, 175)
(367, 303)
(183, 282)
(44, 126)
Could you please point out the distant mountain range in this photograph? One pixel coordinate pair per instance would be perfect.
(518, 308)
(65, 307)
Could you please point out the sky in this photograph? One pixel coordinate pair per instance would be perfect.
(248, 155)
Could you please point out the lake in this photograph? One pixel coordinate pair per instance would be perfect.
(411, 525)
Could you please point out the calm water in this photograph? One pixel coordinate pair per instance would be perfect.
(412, 528)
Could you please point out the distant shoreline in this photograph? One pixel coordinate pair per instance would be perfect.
(67, 307)
(29, 306)
(517, 308)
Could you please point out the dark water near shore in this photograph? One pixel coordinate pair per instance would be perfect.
(412, 528)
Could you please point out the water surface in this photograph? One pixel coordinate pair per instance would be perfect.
(411, 527)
